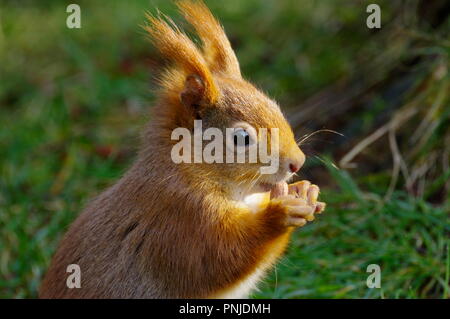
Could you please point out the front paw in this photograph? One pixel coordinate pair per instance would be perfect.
(297, 202)
(308, 192)
(300, 203)
(296, 210)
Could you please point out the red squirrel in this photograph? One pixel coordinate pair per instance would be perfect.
(188, 230)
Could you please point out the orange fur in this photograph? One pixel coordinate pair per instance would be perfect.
(216, 47)
(168, 230)
(176, 46)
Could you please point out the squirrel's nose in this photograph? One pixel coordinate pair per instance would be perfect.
(296, 164)
(294, 167)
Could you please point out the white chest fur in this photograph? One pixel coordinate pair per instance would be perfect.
(243, 288)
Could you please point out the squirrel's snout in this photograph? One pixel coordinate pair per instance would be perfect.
(296, 162)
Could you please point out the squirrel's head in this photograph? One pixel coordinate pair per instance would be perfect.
(206, 84)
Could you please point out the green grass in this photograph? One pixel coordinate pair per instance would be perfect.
(72, 103)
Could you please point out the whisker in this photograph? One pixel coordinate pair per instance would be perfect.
(244, 180)
(316, 132)
(253, 181)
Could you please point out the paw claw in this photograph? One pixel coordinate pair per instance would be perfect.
(320, 207)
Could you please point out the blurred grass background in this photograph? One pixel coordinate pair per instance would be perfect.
(73, 101)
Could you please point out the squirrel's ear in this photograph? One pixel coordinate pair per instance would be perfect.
(216, 47)
(191, 67)
(194, 91)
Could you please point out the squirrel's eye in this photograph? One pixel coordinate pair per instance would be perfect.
(241, 137)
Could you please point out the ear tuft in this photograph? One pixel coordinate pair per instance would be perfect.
(177, 47)
(216, 46)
